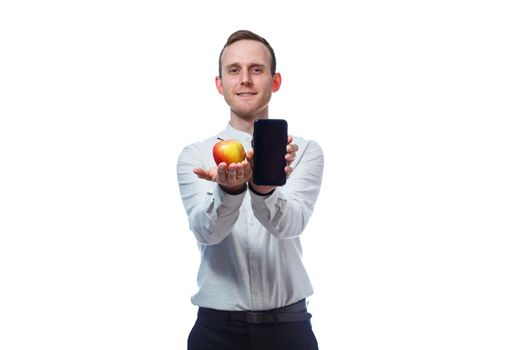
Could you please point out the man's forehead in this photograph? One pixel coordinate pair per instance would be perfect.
(246, 51)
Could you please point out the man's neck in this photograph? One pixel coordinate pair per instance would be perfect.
(245, 123)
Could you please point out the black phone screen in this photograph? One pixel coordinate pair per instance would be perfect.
(270, 138)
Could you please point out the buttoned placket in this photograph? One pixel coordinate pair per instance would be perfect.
(251, 239)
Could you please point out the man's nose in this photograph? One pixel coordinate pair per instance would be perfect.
(246, 77)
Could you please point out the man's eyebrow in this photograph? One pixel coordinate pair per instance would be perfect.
(251, 65)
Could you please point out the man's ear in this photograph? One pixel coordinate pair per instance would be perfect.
(276, 83)
(218, 84)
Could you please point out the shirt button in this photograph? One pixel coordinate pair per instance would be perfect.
(251, 222)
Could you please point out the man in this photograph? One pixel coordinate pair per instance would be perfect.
(252, 282)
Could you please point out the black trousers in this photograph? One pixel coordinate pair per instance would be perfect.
(216, 330)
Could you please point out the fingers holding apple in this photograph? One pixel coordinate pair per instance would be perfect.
(233, 177)
(232, 167)
(232, 171)
(234, 174)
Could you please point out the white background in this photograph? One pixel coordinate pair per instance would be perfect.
(417, 238)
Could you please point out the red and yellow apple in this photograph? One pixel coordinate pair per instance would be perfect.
(228, 151)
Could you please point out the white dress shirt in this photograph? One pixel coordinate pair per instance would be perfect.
(251, 254)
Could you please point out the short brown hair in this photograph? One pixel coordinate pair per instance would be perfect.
(248, 35)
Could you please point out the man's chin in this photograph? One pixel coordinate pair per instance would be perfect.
(245, 116)
(249, 110)
(246, 113)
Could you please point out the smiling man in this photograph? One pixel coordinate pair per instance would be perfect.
(247, 79)
(252, 282)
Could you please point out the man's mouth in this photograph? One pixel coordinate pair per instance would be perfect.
(245, 94)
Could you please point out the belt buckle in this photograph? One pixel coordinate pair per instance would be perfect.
(254, 317)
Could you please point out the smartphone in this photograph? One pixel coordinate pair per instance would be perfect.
(270, 138)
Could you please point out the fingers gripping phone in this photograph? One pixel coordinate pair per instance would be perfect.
(270, 138)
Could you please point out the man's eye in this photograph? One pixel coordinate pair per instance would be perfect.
(257, 70)
(233, 70)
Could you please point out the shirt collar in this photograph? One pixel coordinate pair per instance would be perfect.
(231, 133)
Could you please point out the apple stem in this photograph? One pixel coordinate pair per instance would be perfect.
(218, 138)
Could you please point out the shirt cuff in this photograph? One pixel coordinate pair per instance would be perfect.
(225, 203)
(260, 194)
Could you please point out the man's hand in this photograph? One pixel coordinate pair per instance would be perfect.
(291, 150)
(232, 178)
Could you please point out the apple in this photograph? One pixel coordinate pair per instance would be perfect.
(228, 151)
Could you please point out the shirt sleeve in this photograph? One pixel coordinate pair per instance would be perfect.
(211, 212)
(287, 210)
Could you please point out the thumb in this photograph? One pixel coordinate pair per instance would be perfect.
(249, 156)
(203, 174)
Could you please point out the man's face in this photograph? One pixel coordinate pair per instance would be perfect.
(247, 83)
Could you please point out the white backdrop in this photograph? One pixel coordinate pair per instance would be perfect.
(417, 238)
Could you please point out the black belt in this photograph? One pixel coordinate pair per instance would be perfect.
(292, 313)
